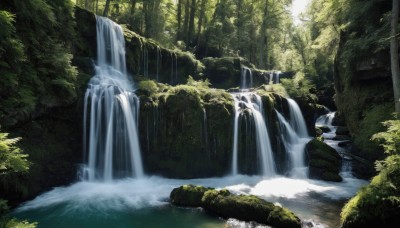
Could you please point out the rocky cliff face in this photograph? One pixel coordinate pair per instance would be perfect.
(186, 131)
(363, 84)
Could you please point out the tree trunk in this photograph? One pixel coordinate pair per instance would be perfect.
(191, 22)
(200, 21)
(186, 22)
(239, 26)
(106, 8)
(394, 54)
(263, 57)
(179, 19)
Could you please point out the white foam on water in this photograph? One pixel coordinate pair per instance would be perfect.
(154, 191)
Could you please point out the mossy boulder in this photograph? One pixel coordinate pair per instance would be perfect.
(376, 205)
(227, 205)
(188, 195)
(324, 162)
(186, 130)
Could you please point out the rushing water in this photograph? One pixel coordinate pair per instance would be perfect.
(294, 144)
(143, 202)
(111, 110)
(252, 102)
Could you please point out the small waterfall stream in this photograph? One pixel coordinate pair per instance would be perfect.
(295, 137)
(252, 102)
(111, 112)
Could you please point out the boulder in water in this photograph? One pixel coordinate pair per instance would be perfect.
(227, 205)
(324, 161)
(188, 195)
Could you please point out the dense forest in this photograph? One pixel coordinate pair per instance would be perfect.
(184, 56)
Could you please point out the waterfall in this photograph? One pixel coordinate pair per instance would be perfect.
(243, 83)
(294, 145)
(297, 119)
(111, 112)
(159, 60)
(326, 121)
(252, 102)
(277, 77)
(295, 137)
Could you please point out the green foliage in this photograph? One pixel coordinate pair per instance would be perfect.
(35, 57)
(200, 84)
(379, 202)
(371, 124)
(148, 85)
(376, 204)
(11, 157)
(13, 223)
(299, 86)
(390, 139)
(12, 161)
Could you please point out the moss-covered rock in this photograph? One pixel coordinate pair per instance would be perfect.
(186, 130)
(227, 205)
(145, 58)
(188, 195)
(376, 205)
(248, 208)
(226, 72)
(363, 84)
(324, 162)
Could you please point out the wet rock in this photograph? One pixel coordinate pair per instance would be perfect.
(341, 138)
(324, 162)
(188, 195)
(227, 205)
(342, 130)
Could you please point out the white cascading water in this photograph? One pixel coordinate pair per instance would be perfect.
(251, 101)
(326, 121)
(243, 82)
(295, 139)
(111, 112)
(277, 77)
(297, 119)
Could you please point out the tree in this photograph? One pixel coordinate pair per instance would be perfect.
(394, 54)
(106, 8)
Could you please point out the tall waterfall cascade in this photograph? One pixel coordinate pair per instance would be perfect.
(295, 137)
(294, 133)
(111, 111)
(250, 101)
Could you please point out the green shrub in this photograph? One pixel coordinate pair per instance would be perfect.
(378, 203)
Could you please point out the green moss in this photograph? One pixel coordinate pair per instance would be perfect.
(188, 195)
(248, 208)
(225, 204)
(324, 161)
(378, 203)
(149, 86)
(369, 125)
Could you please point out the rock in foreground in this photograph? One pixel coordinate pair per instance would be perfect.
(227, 205)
